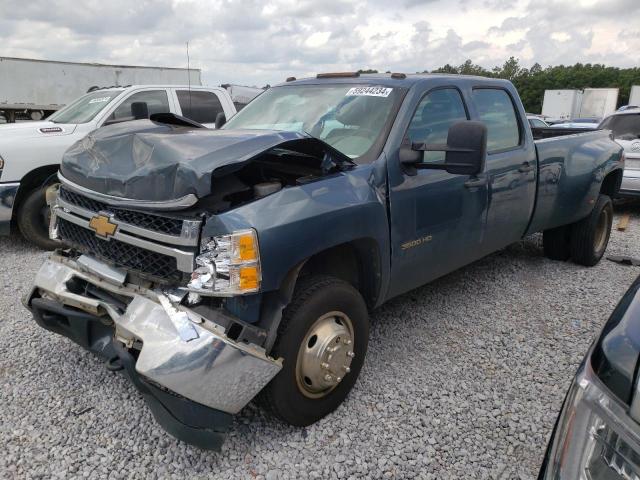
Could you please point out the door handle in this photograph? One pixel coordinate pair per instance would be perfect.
(526, 167)
(476, 182)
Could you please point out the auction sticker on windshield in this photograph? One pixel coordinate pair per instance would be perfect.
(369, 92)
(100, 100)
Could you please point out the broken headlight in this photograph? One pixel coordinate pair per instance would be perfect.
(595, 438)
(227, 265)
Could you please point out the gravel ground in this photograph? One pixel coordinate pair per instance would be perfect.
(463, 379)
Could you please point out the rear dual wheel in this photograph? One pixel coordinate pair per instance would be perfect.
(323, 340)
(584, 241)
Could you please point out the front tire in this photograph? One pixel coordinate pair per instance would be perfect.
(323, 339)
(590, 236)
(33, 219)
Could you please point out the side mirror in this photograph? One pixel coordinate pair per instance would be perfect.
(139, 110)
(466, 150)
(221, 119)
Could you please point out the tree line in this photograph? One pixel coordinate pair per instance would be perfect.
(532, 82)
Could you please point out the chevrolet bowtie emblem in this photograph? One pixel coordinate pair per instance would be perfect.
(103, 226)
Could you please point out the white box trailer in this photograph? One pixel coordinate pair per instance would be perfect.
(32, 89)
(561, 104)
(599, 102)
(634, 96)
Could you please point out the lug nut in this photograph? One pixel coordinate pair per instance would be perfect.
(325, 365)
(346, 341)
(338, 379)
(328, 377)
(351, 354)
(346, 369)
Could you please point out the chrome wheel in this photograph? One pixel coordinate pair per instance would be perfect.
(325, 355)
(602, 229)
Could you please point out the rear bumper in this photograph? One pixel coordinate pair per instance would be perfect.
(8, 193)
(192, 376)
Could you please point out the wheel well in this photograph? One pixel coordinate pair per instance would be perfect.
(34, 179)
(611, 183)
(356, 262)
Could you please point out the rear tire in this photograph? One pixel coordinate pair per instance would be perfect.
(556, 243)
(590, 236)
(325, 311)
(32, 219)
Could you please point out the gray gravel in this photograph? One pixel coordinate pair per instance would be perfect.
(463, 379)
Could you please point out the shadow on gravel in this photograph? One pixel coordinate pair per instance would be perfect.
(15, 243)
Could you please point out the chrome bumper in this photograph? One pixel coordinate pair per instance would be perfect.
(8, 193)
(179, 349)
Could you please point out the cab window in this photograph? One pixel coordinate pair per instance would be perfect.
(156, 100)
(496, 110)
(437, 111)
(199, 106)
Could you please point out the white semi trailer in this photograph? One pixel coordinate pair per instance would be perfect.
(634, 97)
(33, 89)
(561, 104)
(599, 102)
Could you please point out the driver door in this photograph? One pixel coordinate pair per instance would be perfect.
(437, 218)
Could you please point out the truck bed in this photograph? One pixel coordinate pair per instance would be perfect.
(567, 169)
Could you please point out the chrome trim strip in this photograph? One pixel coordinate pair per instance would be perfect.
(184, 260)
(210, 368)
(177, 204)
(187, 238)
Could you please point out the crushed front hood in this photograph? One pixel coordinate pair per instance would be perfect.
(149, 161)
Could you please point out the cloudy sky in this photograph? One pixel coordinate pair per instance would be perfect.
(254, 42)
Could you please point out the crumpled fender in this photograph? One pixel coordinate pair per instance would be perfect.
(299, 222)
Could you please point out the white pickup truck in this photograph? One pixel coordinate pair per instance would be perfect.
(30, 152)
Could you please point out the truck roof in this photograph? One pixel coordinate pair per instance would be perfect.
(397, 80)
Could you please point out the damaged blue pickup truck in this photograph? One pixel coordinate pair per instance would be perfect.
(214, 266)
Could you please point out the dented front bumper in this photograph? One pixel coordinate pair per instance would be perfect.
(173, 355)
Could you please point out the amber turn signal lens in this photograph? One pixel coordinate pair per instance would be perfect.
(247, 248)
(249, 278)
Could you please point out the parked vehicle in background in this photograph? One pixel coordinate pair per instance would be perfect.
(33, 89)
(625, 127)
(597, 434)
(560, 105)
(246, 259)
(536, 122)
(30, 152)
(242, 95)
(599, 102)
(585, 123)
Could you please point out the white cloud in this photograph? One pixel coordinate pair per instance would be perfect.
(258, 42)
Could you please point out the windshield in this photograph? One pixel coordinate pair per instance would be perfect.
(352, 119)
(85, 108)
(624, 127)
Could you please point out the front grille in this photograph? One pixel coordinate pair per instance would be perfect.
(151, 265)
(148, 221)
